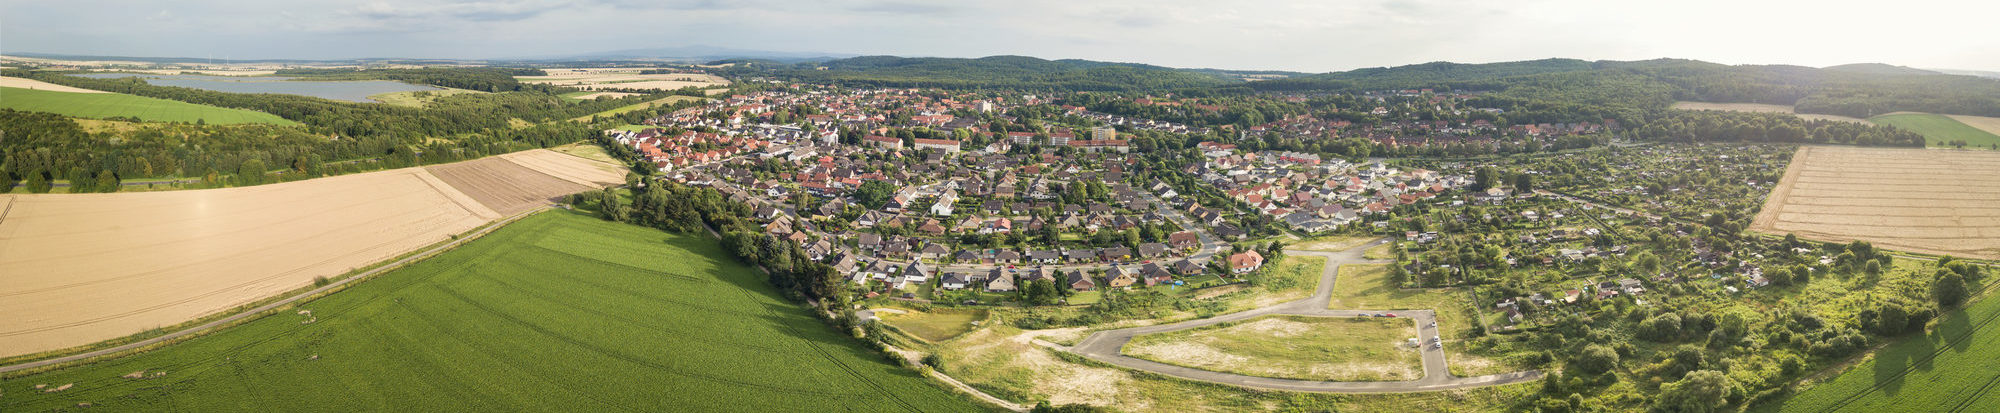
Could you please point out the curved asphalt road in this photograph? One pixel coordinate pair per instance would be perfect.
(1105, 346)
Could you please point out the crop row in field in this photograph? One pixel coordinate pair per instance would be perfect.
(1953, 368)
(557, 311)
(1926, 201)
(105, 105)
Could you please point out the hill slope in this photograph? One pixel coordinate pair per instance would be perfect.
(558, 311)
(1016, 72)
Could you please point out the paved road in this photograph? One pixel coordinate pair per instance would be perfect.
(260, 310)
(1106, 346)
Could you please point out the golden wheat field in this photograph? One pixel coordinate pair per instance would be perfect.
(1918, 200)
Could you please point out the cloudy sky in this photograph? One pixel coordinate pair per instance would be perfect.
(1300, 35)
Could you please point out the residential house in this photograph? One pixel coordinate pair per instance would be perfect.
(933, 251)
(1080, 281)
(1185, 240)
(1001, 283)
(1244, 262)
(1187, 267)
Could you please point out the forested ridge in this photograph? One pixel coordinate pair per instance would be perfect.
(1850, 90)
(993, 72)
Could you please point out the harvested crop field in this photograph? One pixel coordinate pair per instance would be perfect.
(508, 187)
(83, 268)
(1759, 107)
(1924, 201)
(32, 84)
(598, 172)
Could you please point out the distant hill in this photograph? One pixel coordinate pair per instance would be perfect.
(1854, 90)
(1421, 75)
(1879, 69)
(1012, 72)
(693, 53)
(1961, 72)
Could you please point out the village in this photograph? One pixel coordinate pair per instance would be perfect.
(911, 192)
(918, 195)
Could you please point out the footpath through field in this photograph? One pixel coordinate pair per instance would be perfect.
(1106, 346)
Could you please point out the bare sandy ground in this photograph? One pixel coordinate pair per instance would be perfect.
(81, 268)
(1925, 201)
(1759, 107)
(40, 85)
(1988, 124)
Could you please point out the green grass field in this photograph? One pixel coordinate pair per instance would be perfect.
(556, 312)
(1955, 367)
(1292, 347)
(104, 105)
(1938, 129)
(1367, 287)
(936, 325)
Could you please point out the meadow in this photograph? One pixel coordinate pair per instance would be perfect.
(105, 105)
(1938, 130)
(936, 324)
(1367, 286)
(556, 312)
(1292, 347)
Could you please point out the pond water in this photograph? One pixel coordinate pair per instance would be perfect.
(348, 90)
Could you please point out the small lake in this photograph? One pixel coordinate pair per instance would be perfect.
(348, 90)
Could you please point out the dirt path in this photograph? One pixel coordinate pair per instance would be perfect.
(1106, 346)
(915, 358)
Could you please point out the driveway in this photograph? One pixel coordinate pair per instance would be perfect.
(1106, 346)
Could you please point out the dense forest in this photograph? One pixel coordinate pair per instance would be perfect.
(1718, 126)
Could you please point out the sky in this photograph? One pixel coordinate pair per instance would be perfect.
(1296, 35)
